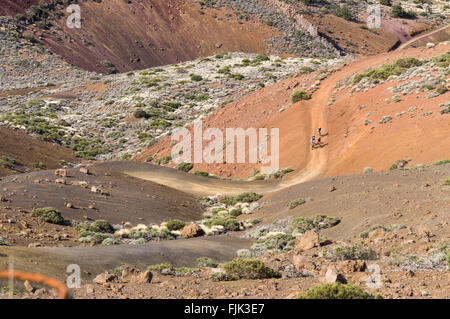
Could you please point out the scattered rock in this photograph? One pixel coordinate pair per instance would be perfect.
(332, 276)
(191, 231)
(104, 278)
(307, 241)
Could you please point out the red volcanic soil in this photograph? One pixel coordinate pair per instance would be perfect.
(150, 33)
(12, 7)
(348, 145)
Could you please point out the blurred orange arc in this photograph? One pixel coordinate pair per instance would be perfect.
(40, 279)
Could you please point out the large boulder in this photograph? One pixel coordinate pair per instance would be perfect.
(144, 277)
(307, 241)
(104, 278)
(332, 276)
(191, 231)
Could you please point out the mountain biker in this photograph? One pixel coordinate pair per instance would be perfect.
(313, 142)
(319, 130)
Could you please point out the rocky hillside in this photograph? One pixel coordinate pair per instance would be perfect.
(119, 36)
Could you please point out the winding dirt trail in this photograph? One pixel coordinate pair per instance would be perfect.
(342, 152)
(441, 34)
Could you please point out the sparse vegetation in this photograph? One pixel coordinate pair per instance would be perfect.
(175, 224)
(350, 252)
(303, 224)
(3, 242)
(49, 215)
(387, 70)
(336, 291)
(160, 267)
(300, 95)
(295, 203)
(185, 167)
(243, 268)
(206, 262)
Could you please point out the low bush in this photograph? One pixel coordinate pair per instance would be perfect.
(387, 70)
(295, 203)
(206, 262)
(336, 291)
(248, 197)
(3, 242)
(228, 223)
(160, 267)
(300, 95)
(279, 242)
(236, 212)
(175, 224)
(49, 215)
(303, 224)
(185, 167)
(358, 251)
(243, 268)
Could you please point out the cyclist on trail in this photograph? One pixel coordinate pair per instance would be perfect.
(313, 142)
(319, 131)
(319, 140)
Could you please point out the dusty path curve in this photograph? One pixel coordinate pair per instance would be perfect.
(94, 260)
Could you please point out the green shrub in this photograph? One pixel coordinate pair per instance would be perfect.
(387, 70)
(300, 95)
(442, 60)
(442, 162)
(93, 237)
(336, 291)
(98, 226)
(306, 69)
(3, 242)
(228, 223)
(228, 200)
(175, 224)
(221, 276)
(358, 251)
(185, 167)
(345, 13)
(139, 114)
(295, 203)
(279, 242)
(236, 212)
(397, 11)
(49, 215)
(236, 76)
(224, 70)
(200, 173)
(206, 262)
(111, 242)
(196, 78)
(248, 197)
(303, 224)
(101, 226)
(244, 268)
(442, 89)
(160, 267)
